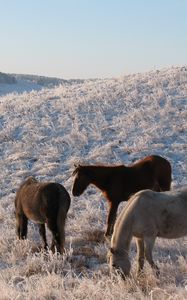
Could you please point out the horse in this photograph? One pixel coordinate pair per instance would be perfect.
(118, 183)
(147, 215)
(42, 202)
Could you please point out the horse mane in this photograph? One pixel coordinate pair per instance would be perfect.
(86, 167)
(30, 180)
(77, 168)
(81, 168)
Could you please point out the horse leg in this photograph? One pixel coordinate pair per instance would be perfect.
(149, 243)
(52, 225)
(111, 218)
(61, 219)
(140, 254)
(21, 225)
(42, 232)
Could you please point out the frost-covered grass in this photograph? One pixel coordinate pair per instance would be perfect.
(43, 133)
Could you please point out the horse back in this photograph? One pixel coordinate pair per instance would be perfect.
(29, 200)
(40, 201)
(156, 161)
(156, 171)
(167, 210)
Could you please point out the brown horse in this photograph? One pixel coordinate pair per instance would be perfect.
(118, 182)
(148, 215)
(42, 203)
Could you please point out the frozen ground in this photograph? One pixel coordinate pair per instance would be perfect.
(43, 132)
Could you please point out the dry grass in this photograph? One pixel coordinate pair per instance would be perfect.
(83, 273)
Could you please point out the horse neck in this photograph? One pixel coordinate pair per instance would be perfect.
(99, 176)
(122, 235)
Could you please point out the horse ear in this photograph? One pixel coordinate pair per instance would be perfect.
(77, 165)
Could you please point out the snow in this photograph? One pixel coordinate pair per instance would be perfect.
(20, 87)
(45, 130)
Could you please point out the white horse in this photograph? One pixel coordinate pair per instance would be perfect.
(146, 216)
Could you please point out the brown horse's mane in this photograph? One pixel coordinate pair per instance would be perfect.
(31, 179)
(28, 181)
(83, 167)
(77, 168)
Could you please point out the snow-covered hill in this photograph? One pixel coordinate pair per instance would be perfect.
(44, 132)
(7, 79)
(20, 83)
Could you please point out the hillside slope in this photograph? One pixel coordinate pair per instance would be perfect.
(112, 121)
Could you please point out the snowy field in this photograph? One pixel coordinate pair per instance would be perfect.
(44, 132)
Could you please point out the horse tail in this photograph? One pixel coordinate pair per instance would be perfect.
(64, 204)
(164, 175)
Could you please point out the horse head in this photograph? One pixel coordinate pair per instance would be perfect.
(81, 180)
(118, 262)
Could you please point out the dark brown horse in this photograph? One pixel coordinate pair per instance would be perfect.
(46, 202)
(119, 182)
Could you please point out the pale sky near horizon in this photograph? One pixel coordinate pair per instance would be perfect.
(91, 38)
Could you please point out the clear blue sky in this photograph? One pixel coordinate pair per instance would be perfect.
(91, 38)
